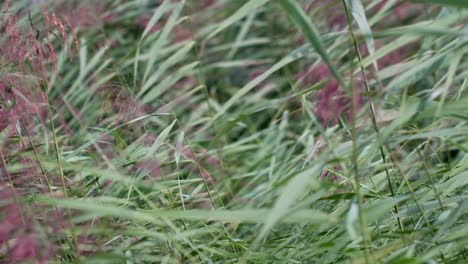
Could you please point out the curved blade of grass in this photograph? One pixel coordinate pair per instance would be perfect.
(159, 12)
(168, 82)
(303, 23)
(457, 3)
(415, 73)
(436, 133)
(242, 12)
(159, 140)
(289, 195)
(408, 110)
(242, 34)
(455, 60)
(391, 46)
(296, 54)
(375, 210)
(359, 15)
(163, 38)
(95, 208)
(164, 66)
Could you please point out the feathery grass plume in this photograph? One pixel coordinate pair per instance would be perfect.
(26, 43)
(28, 57)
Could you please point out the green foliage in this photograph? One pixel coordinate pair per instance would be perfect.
(195, 137)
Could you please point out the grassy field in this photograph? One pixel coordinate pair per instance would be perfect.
(234, 131)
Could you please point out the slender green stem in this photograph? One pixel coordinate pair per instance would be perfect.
(62, 175)
(373, 113)
(357, 185)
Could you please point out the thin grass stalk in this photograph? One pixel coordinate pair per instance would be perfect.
(436, 193)
(411, 190)
(372, 111)
(62, 177)
(368, 254)
(206, 184)
(199, 53)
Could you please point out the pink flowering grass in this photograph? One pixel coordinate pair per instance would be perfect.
(28, 55)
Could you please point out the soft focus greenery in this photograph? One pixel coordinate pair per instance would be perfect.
(240, 168)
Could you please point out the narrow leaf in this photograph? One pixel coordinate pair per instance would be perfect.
(300, 19)
(457, 3)
(242, 12)
(359, 15)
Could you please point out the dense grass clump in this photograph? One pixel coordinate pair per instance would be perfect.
(247, 131)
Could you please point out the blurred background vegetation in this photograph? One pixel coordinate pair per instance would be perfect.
(232, 131)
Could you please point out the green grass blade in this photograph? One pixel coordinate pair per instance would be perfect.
(242, 12)
(456, 3)
(305, 25)
(359, 15)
